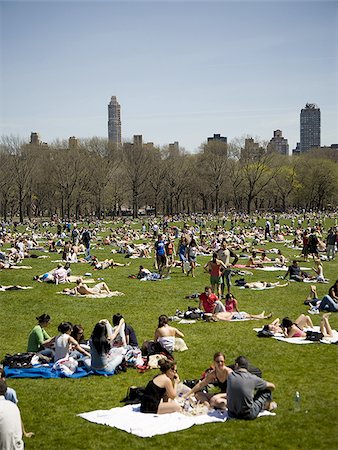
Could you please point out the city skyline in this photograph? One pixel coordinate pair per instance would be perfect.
(182, 71)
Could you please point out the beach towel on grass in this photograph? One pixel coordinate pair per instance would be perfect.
(130, 419)
(302, 340)
(47, 371)
(103, 295)
(14, 288)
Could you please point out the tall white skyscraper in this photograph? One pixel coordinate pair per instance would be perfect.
(309, 127)
(114, 121)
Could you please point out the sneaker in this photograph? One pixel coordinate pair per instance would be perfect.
(313, 311)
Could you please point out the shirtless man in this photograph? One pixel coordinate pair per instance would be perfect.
(83, 289)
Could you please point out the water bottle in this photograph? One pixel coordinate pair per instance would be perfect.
(297, 401)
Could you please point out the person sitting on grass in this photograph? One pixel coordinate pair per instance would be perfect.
(10, 422)
(161, 391)
(103, 357)
(130, 335)
(166, 335)
(295, 273)
(11, 396)
(247, 394)
(65, 344)
(209, 303)
(217, 376)
(39, 340)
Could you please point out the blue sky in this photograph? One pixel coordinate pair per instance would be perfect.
(180, 70)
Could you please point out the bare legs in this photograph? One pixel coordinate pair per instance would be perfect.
(325, 326)
(168, 407)
(304, 321)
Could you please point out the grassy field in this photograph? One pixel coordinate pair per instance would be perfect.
(50, 407)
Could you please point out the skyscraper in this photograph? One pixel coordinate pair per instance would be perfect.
(309, 127)
(114, 121)
(278, 143)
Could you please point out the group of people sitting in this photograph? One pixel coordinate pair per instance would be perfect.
(242, 392)
(107, 346)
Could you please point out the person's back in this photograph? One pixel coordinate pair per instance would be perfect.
(240, 390)
(60, 275)
(61, 346)
(131, 336)
(10, 422)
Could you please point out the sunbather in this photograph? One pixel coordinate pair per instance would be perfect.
(263, 285)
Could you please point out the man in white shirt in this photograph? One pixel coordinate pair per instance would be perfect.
(10, 422)
(60, 275)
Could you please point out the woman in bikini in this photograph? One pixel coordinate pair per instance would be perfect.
(217, 375)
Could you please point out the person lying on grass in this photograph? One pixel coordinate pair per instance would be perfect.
(329, 303)
(300, 322)
(82, 289)
(263, 285)
(101, 265)
(291, 329)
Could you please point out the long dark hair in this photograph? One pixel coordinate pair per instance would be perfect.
(99, 338)
(162, 320)
(286, 323)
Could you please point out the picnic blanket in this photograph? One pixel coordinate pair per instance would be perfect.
(302, 340)
(47, 371)
(103, 295)
(271, 268)
(14, 288)
(74, 278)
(44, 371)
(130, 419)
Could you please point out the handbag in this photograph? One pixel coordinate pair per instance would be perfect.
(314, 336)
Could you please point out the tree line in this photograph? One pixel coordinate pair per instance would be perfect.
(96, 178)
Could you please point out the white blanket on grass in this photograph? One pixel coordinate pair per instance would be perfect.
(302, 340)
(130, 419)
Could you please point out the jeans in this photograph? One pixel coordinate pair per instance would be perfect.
(46, 352)
(328, 304)
(330, 250)
(226, 279)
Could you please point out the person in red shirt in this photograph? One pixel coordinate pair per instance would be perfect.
(207, 300)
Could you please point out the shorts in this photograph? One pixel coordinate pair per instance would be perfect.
(215, 280)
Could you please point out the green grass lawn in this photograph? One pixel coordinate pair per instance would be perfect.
(50, 407)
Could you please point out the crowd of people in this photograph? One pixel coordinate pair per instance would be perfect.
(242, 389)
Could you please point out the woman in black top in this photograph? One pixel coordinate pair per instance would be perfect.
(160, 393)
(217, 375)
